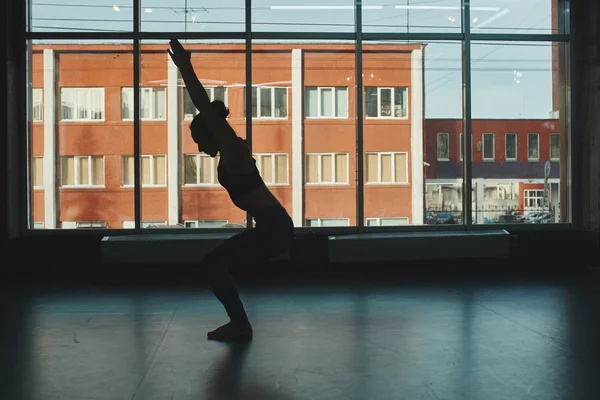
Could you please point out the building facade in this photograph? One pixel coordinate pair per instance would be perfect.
(509, 159)
(303, 134)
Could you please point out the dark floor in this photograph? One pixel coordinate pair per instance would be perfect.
(489, 340)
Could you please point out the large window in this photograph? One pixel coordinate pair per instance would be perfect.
(388, 130)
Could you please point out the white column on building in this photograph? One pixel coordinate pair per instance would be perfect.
(50, 157)
(174, 155)
(416, 147)
(478, 208)
(297, 139)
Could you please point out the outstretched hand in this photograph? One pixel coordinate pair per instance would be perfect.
(179, 55)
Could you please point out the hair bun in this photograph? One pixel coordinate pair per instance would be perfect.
(220, 108)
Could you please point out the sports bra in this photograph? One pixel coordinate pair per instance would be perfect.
(239, 184)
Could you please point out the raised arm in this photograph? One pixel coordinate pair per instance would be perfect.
(198, 94)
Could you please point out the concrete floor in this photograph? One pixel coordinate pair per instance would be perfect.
(486, 340)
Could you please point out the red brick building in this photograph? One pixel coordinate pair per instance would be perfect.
(303, 134)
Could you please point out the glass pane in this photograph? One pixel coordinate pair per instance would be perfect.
(319, 77)
(327, 102)
(312, 102)
(523, 113)
(207, 169)
(220, 65)
(530, 17)
(160, 170)
(386, 168)
(83, 116)
(488, 146)
(302, 16)
(281, 106)
(266, 104)
(83, 164)
(327, 168)
(341, 168)
(96, 16)
(312, 168)
(408, 157)
(192, 16)
(511, 146)
(266, 168)
(281, 168)
(412, 16)
(341, 102)
(190, 172)
(98, 170)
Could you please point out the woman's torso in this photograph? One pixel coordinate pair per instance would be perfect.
(245, 186)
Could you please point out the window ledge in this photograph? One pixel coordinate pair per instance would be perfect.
(164, 248)
(401, 246)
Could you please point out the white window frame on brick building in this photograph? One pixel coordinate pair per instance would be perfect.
(338, 177)
(88, 181)
(214, 93)
(154, 158)
(153, 103)
(381, 180)
(326, 102)
(78, 100)
(278, 112)
(398, 103)
(276, 163)
(202, 162)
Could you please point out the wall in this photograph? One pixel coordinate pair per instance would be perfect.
(499, 168)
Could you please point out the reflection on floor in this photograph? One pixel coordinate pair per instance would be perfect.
(405, 341)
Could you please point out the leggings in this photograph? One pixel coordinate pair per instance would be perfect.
(272, 236)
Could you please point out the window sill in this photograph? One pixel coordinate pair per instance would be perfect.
(95, 187)
(159, 248)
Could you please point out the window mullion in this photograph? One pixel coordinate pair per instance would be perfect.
(320, 168)
(319, 94)
(379, 168)
(198, 159)
(90, 166)
(393, 157)
(273, 102)
(75, 171)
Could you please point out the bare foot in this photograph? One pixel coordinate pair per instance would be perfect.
(232, 332)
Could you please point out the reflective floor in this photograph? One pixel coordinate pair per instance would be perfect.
(486, 340)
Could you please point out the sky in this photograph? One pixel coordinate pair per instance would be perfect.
(509, 80)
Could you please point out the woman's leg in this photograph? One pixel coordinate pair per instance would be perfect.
(233, 251)
(252, 246)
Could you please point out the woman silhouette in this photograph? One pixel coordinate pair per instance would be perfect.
(237, 173)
